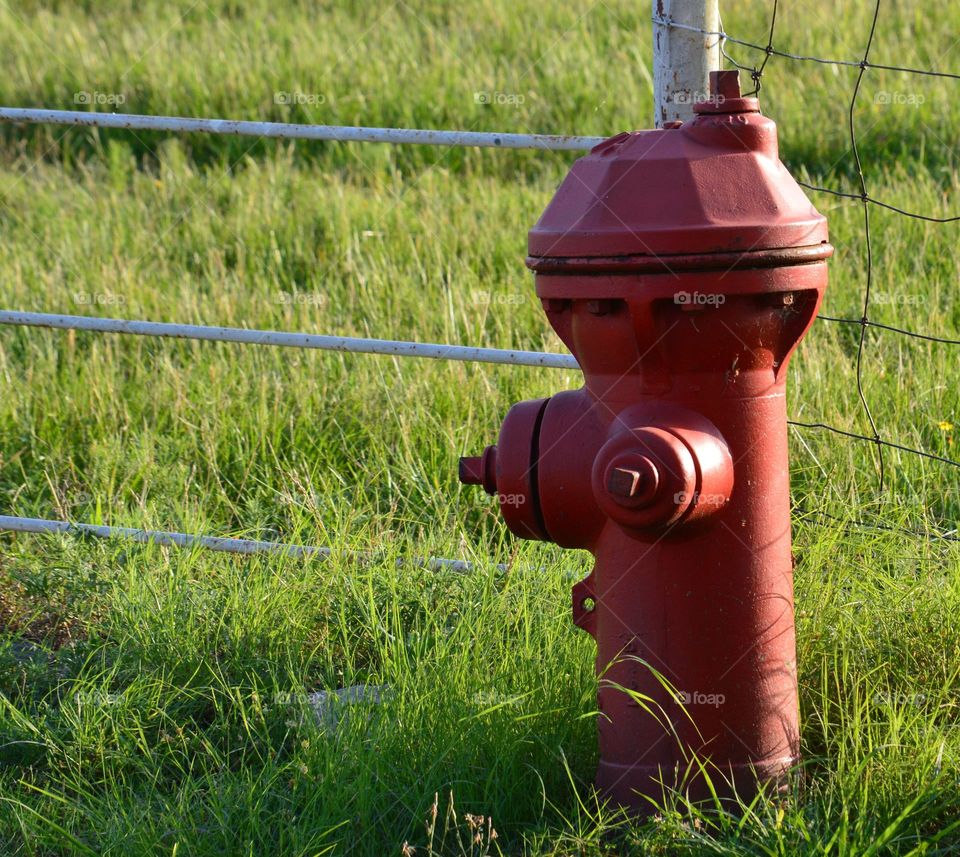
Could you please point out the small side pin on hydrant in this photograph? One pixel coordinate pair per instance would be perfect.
(681, 267)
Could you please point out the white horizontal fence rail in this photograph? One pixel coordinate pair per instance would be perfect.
(257, 337)
(13, 524)
(292, 131)
(400, 348)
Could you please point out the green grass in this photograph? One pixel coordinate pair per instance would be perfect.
(153, 701)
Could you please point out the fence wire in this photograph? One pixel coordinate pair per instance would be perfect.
(294, 131)
(283, 339)
(221, 544)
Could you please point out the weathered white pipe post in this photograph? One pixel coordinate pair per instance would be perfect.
(683, 57)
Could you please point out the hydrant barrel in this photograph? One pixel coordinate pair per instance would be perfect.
(681, 267)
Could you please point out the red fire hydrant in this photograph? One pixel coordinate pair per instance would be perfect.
(681, 267)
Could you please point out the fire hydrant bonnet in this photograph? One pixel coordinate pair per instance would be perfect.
(665, 198)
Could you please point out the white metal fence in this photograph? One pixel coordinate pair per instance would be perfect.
(688, 39)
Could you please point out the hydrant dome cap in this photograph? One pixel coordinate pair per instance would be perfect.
(714, 185)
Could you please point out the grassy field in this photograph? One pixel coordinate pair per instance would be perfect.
(153, 701)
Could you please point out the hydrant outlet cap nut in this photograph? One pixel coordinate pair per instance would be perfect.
(632, 480)
(664, 468)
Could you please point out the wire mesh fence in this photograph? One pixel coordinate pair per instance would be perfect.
(863, 64)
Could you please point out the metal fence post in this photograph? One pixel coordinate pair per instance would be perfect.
(683, 57)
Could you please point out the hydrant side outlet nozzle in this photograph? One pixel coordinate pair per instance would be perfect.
(480, 470)
(683, 298)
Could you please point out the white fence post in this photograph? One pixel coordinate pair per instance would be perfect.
(683, 58)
